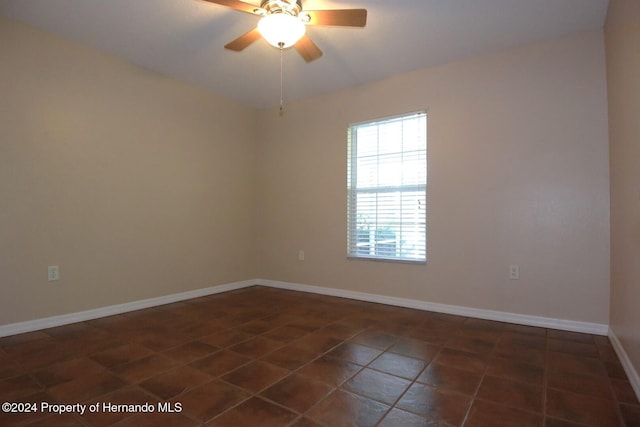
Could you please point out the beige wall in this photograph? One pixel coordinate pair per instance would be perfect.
(136, 185)
(518, 174)
(622, 34)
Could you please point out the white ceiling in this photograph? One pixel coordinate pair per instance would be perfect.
(185, 38)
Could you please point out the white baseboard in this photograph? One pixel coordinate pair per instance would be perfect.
(501, 316)
(64, 319)
(632, 374)
(545, 322)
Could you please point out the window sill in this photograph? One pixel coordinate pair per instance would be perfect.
(393, 260)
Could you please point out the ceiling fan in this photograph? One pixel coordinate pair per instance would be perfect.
(283, 24)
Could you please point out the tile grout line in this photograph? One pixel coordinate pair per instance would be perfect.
(391, 405)
(482, 378)
(362, 368)
(414, 381)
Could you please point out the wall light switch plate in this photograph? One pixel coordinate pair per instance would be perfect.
(300, 255)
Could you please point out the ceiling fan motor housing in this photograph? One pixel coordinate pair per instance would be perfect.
(290, 7)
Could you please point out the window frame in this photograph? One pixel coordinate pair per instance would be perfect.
(353, 192)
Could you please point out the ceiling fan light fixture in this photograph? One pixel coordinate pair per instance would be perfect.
(281, 29)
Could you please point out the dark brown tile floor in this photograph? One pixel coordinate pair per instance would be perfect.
(266, 357)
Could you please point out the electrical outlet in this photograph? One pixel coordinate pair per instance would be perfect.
(53, 273)
(514, 272)
(300, 255)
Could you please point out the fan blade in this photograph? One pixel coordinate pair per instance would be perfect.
(339, 17)
(240, 5)
(307, 49)
(243, 41)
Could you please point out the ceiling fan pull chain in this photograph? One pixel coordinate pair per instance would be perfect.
(281, 79)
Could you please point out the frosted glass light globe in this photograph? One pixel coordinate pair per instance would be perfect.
(281, 30)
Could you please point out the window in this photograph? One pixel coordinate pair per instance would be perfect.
(387, 189)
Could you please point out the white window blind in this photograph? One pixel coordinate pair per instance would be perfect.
(387, 189)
